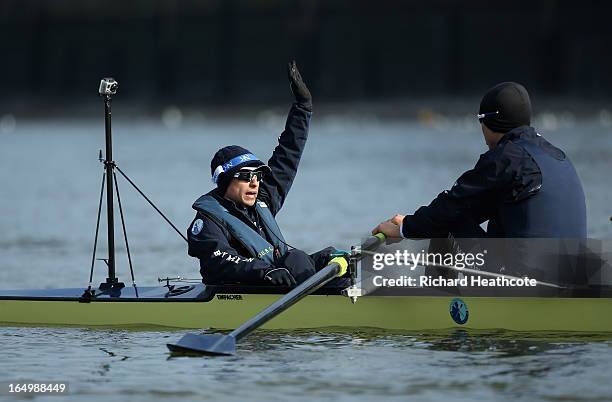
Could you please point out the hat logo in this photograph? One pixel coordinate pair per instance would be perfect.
(235, 161)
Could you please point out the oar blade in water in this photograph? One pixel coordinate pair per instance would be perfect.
(214, 345)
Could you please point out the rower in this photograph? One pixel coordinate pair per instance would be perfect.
(524, 186)
(234, 233)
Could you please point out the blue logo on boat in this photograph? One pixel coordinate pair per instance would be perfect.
(459, 311)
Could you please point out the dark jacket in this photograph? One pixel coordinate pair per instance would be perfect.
(504, 177)
(222, 258)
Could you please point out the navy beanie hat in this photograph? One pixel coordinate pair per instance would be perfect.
(504, 107)
(227, 161)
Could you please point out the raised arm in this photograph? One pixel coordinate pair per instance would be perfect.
(287, 154)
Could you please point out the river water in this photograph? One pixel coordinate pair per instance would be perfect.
(356, 171)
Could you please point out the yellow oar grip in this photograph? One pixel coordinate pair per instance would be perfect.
(341, 261)
(381, 236)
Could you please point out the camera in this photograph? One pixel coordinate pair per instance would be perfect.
(108, 86)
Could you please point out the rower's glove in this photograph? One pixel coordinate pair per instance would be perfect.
(298, 87)
(280, 277)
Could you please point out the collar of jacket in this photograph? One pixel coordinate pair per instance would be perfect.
(525, 132)
(247, 214)
(530, 134)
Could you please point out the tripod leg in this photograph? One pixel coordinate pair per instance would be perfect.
(93, 258)
(127, 246)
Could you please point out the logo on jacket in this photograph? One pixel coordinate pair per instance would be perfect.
(459, 311)
(265, 251)
(197, 226)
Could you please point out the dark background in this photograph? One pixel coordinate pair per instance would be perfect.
(232, 52)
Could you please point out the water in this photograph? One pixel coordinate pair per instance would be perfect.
(275, 366)
(355, 173)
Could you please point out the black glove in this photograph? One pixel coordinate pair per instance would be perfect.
(280, 277)
(299, 264)
(299, 89)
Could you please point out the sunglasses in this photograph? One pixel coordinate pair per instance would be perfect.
(482, 116)
(247, 175)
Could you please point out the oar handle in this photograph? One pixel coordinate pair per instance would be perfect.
(373, 241)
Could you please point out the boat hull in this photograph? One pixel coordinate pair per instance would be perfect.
(195, 309)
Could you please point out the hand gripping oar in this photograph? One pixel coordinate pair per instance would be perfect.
(226, 344)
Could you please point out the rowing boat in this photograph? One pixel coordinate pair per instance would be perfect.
(198, 306)
(178, 304)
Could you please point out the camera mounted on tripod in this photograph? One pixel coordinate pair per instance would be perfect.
(108, 87)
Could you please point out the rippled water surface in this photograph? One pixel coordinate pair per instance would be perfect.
(358, 365)
(354, 173)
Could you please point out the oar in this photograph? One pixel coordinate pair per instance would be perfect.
(226, 344)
